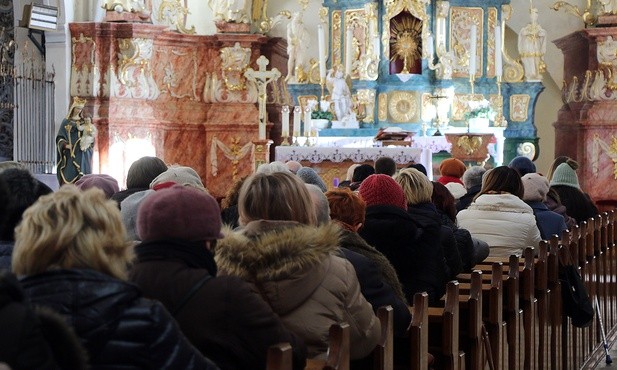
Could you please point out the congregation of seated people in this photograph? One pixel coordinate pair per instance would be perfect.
(160, 274)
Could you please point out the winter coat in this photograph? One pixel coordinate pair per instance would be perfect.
(118, 328)
(123, 194)
(6, 253)
(295, 269)
(578, 204)
(504, 221)
(377, 292)
(426, 217)
(472, 250)
(467, 199)
(549, 222)
(415, 253)
(553, 205)
(225, 319)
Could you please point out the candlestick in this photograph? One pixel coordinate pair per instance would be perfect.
(285, 121)
(307, 121)
(498, 60)
(297, 119)
(429, 47)
(472, 50)
(348, 56)
(321, 39)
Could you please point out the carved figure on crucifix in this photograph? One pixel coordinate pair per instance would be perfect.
(262, 78)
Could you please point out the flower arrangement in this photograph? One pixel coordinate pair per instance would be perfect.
(323, 112)
(480, 109)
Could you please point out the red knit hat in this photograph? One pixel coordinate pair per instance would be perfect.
(179, 212)
(452, 167)
(381, 189)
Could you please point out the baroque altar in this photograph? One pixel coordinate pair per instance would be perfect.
(416, 64)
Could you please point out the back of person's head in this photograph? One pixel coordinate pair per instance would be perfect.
(382, 190)
(309, 176)
(385, 165)
(347, 208)
(473, 176)
(522, 165)
(362, 172)
(143, 171)
(293, 166)
(443, 199)
(502, 179)
(128, 209)
(556, 162)
(322, 208)
(72, 228)
(272, 167)
(420, 167)
(452, 167)
(350, 171)
(565, 175)
(7, 165)
(536, 187)
(179, 212)
(108, 184)
(20, 190)
(416, 186)
(181, 175)
(277, 196)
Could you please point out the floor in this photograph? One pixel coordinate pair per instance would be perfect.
(613, 355)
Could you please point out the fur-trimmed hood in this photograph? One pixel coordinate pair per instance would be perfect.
(286, 261)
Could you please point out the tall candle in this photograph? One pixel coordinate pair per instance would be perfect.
(285, 121)
(262, 130)
(321, 39)
(429, 47)
(498, 60)
(307, 121)
(348, 52)
(297, 119)
(472, 50)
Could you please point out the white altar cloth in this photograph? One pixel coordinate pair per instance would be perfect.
(318, 154)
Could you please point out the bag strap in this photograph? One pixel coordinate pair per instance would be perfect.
(187, 297)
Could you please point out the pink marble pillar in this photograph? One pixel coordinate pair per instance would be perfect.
(170, 91)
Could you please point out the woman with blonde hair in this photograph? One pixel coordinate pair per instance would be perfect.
(71, 251)
(294, 264)
(499, 216)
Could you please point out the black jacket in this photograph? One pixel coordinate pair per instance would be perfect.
(118, 328)
(467, 199)
(415, 253)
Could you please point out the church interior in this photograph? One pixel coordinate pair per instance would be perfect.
(169, 78)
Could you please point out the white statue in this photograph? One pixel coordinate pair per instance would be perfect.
(608, 6)
(340, 95)
(607, 51)
(298, 41)
(532, 47)
(233, 11)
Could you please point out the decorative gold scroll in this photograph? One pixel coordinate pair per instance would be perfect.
(461, 19)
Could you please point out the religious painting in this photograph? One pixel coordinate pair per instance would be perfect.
(519, 106)
(355, 21)
(461, 21)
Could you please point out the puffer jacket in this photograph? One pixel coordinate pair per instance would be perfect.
(504, 221)
(296, 270)
(118, 328)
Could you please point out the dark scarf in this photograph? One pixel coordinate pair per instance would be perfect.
(194, 254)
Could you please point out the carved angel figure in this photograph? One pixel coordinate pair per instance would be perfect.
(532, 47)
(340, 94)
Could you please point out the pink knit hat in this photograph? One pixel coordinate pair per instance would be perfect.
(381, 189)
(108, 184)
(179, 212)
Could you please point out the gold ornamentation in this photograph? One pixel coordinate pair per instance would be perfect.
(519, 106)
(469, 144)
(234, 61)
(496, 102)
(417, 8)
(461, 19)
(610, 150)
(337, 24)
(173, 13)
(382, 106)
(490, 49)
(174, 83)
(586, 16)
(460, 105)
(303, 100)
(130, 56)
(323, 14)
(355, 19)
(83, 40)
(403, 106)
(405, 41)
(512, 70)
(234, 152)
(365, 105)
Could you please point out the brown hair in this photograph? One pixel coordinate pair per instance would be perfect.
(502, 179)
(559, 160)
(231, 198)
(72, 229)
(275, 196)
(444, 200)
(346, 207)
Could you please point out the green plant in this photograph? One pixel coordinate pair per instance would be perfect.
(480, 109)
(318, 114)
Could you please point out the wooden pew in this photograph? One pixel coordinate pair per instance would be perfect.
(542, 294)
(279, 357)
(555, 305)
(337, 357)
(471, 323)
(528, 303)
(445, 321)
(383, 354)
(418, 332)
(514, 315)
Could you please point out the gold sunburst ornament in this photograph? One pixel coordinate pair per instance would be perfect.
(405, 40)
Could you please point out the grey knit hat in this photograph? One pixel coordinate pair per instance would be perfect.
(181, 175)
(536, 187)
(565, 175)
(309, 176)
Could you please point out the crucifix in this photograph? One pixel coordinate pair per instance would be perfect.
(262, 78)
